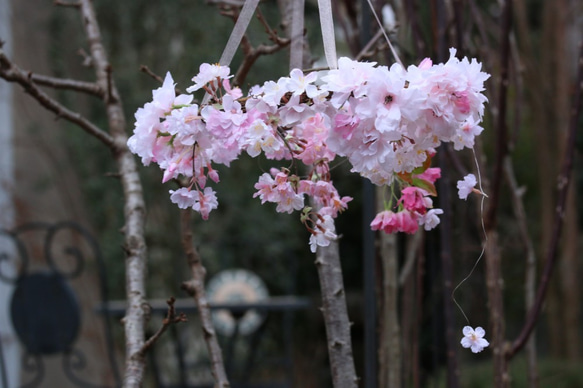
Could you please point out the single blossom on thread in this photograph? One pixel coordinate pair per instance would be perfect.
(474, 339)
(466, 186)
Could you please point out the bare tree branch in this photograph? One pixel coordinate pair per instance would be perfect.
(171, 318)
(366, 50)
(12, 73)
(251, 55)
(74, 4)
(195, 287)
(235, 3)
(563, 186)
(67, 84)
(270, 31)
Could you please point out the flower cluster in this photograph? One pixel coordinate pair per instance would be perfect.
(388, 122)
(415, 207)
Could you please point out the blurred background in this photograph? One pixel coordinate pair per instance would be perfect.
(53, 172)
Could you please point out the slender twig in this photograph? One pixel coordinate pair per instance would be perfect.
(110, 95)
(365, 52)
(10, 72)
(171, 318)
(251, 55)
(563, 187)
(458, 25)
(87, 60)
(236, 3)
(195, 287)
(146, 69)
(412, 15)
(270, 31)
(74, 4)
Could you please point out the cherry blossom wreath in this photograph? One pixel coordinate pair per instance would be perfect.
(387, 121)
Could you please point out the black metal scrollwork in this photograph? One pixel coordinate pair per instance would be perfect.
(70, 250)
(74, 361)
(6, 256)
(44, 308)
(33, 364)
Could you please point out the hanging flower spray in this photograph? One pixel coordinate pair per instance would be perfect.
(388, 123)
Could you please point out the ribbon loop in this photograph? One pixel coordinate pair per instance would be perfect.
(238, 31)
(296, 55)
(327, 24)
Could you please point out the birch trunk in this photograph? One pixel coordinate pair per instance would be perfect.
(336, 317)
(134, 206)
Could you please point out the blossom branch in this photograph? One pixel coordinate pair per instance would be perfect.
(563, 186)
(134, 207)
(195, 287)
(171, 318)
(12, 73)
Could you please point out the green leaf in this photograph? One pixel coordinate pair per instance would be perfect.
(425, 185)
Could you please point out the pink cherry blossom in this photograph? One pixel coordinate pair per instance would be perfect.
(415, 199)
(430, 175)
(390, 222)
(184, 197)
(298, 82)
(206, 202)
(323, 234)
(208, 74)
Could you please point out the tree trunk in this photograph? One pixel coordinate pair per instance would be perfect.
(336, 317)
(390, 344)
(134, 206)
